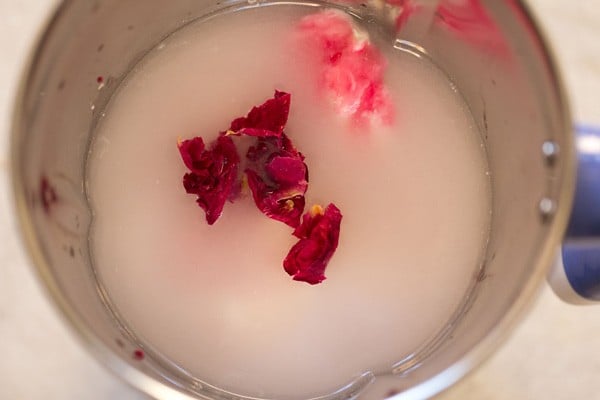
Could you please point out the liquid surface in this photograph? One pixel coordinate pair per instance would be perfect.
(215, 299)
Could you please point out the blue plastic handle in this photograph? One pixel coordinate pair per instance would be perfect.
(581, 246)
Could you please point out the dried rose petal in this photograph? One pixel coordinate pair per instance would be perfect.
(285, 205)
(278, 179)
(286, 170)
(191, 153)
(319, 235)
(213, 173)
(351, 69)
(469, 20)
(268, 119)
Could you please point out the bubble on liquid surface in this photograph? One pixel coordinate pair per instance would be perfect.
(550, 150)
(547, 208)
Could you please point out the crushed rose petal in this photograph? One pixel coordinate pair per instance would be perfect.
(278, 179)
(268, 119)
(319, 235)
(212, 175)
(351, 68)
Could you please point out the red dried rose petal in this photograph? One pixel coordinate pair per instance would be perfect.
(268, 119)
(286, 170)
(191, 152)
(213, 173)
(319, 235)
(285, 204)
(278, 179)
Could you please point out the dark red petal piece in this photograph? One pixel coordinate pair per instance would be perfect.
(286, 171)
(281, 204)
(191, 151)
(268, 119)
(278, 179)
(319, 235)
(213, 173)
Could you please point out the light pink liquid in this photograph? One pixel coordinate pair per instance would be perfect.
(215, 299)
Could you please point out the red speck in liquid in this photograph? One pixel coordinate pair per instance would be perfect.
(100, 79)
(138, 355)
(48, 194)
(278, 179)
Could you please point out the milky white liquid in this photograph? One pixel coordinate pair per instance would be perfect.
(215, 300)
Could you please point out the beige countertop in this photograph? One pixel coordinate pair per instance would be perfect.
(553, 355)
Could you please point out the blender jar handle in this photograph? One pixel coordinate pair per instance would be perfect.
(575, 276)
